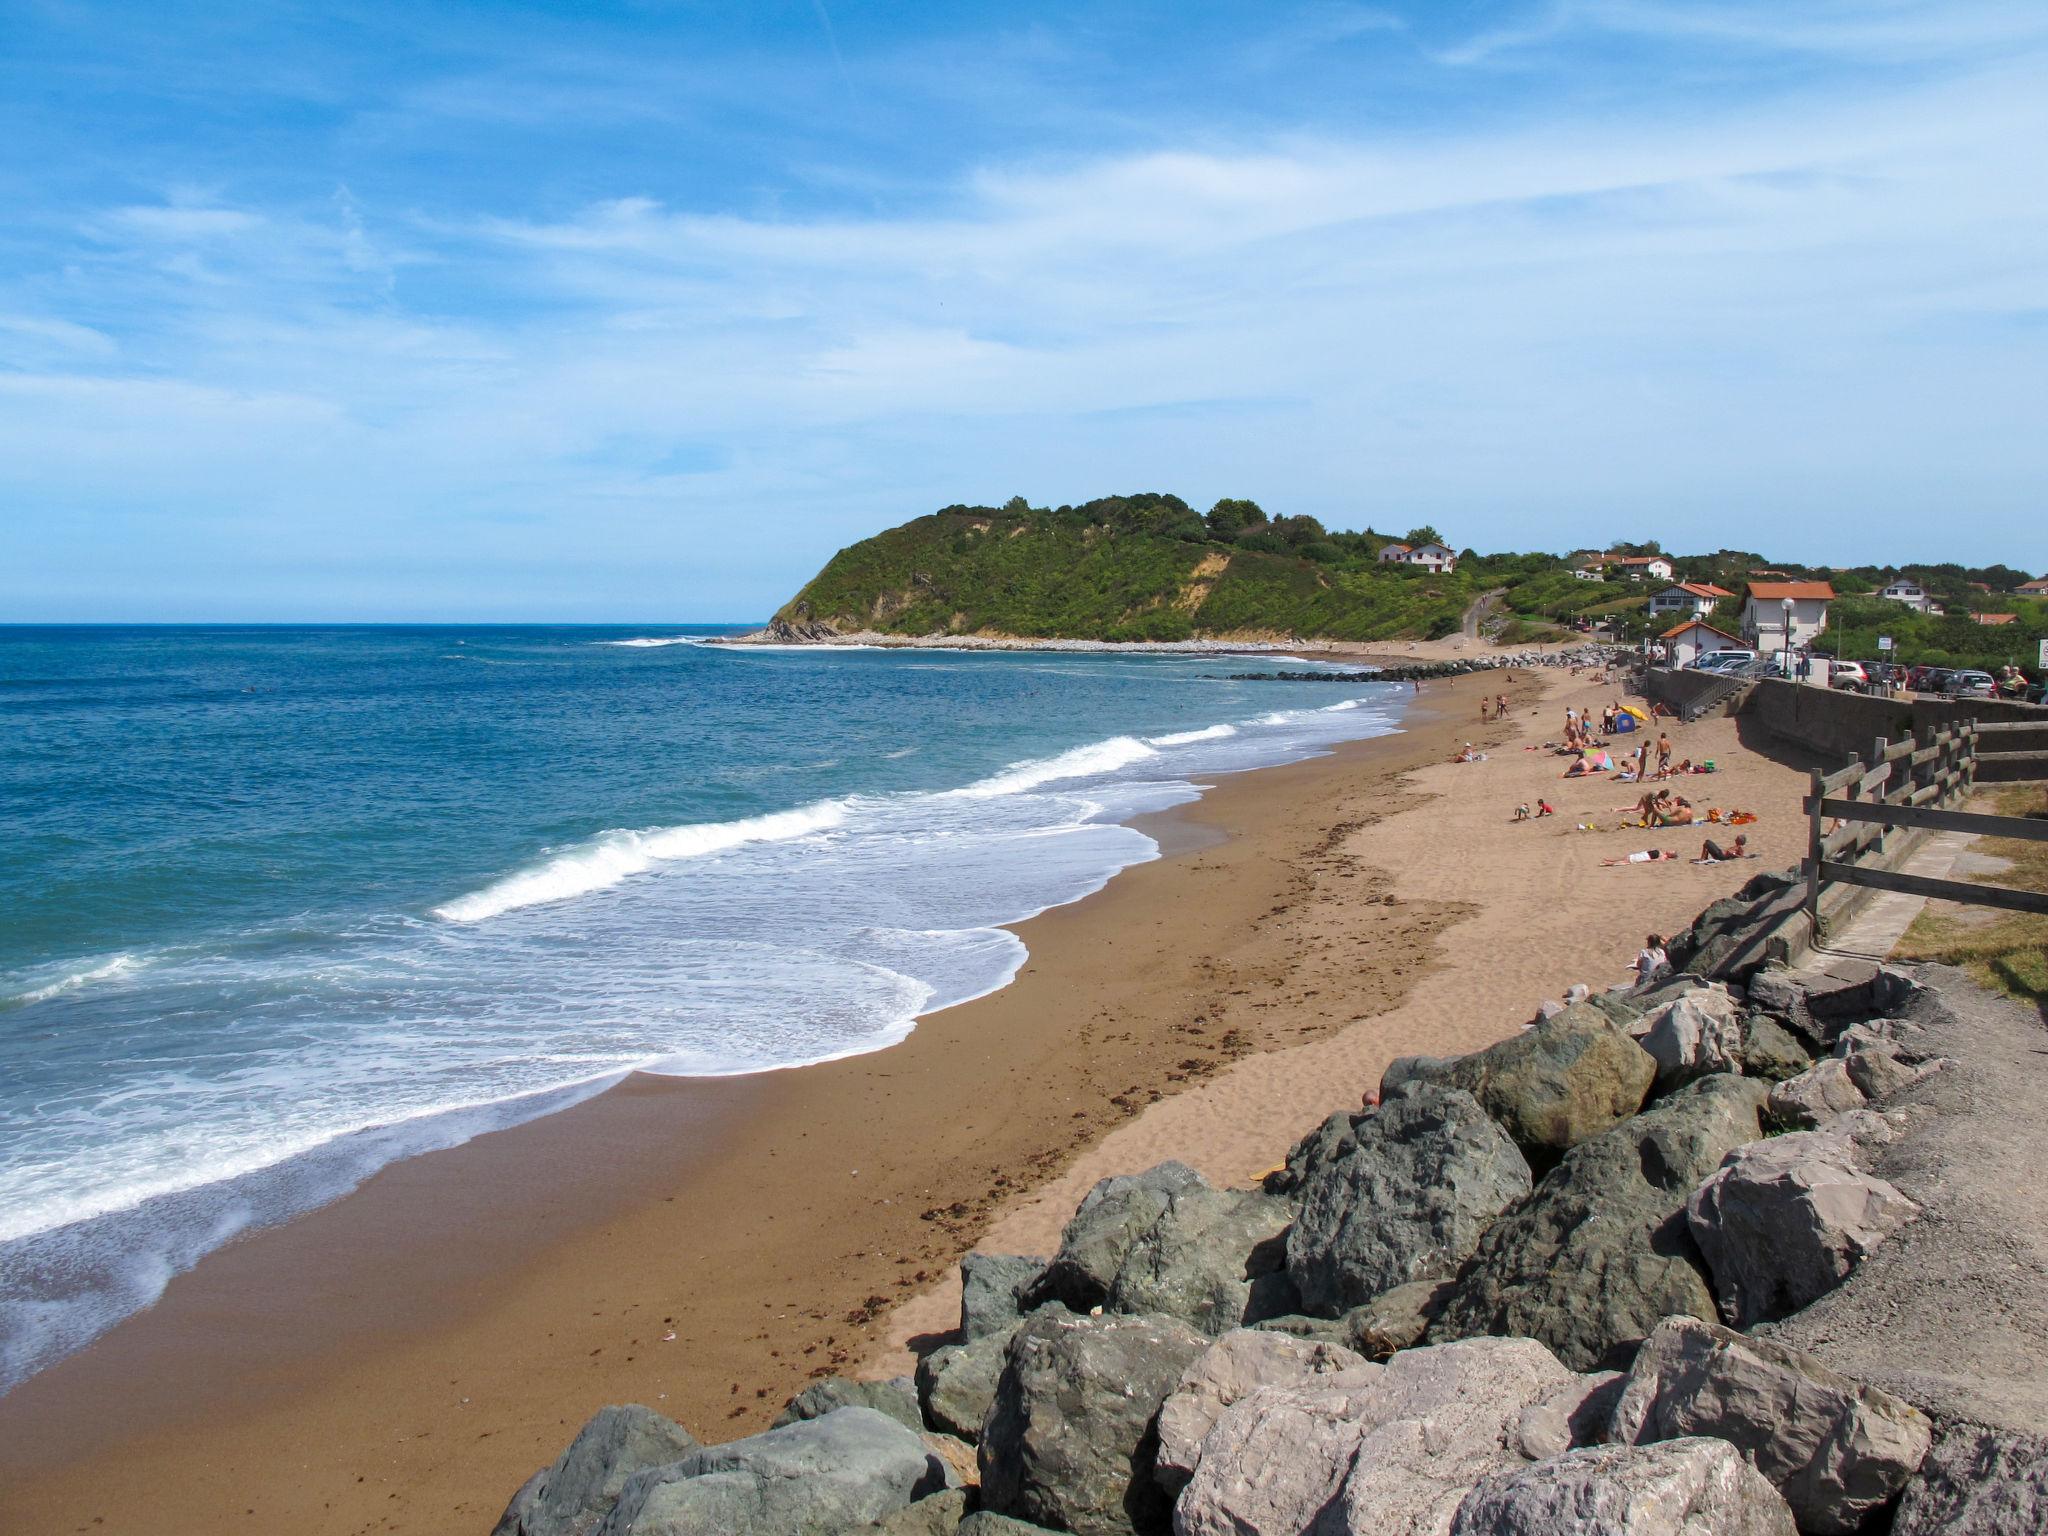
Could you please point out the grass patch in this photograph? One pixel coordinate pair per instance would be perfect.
(2005, 950)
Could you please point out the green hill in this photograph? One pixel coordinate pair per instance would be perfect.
(1143, 567)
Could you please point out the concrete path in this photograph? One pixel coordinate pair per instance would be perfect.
(1874, 931)
(1951, 1313)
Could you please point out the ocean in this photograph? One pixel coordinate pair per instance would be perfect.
(279, 906)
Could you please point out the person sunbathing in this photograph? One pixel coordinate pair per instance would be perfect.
(1712, 852)
(1646, 856)
(1677, 814)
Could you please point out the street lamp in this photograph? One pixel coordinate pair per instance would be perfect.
(1785, 631)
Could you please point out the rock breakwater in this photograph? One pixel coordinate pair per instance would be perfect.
(1551, 1287)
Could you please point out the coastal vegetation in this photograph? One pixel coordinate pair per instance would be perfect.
(2004, 950)
(1151, 567)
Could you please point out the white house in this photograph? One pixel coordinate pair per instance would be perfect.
(1912, 594)
(1434, 556)
(1588, 573)
(1641, 567)
(1765, 613)
(1694, 599)
(1692, 640)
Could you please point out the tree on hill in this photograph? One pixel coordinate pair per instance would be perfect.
(1423, 535)
(1232, 515)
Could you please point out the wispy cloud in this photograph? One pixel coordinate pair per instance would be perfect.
(1737, 320)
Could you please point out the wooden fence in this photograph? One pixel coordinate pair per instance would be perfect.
(1910, 784)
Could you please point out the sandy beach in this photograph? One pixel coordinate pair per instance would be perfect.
(402, 1360)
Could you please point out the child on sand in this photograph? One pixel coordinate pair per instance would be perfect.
(1545, 808)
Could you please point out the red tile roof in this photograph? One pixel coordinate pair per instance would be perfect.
(2035, 586)
(1778, 591)
(1996, 618)
(1680, 629)
(1703, 589)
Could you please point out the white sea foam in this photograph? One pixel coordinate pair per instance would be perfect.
(648, 642)
(618, 856)
(1184, 738)
(107, 970)
(1075, 763)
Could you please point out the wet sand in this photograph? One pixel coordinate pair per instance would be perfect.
(403, 1359)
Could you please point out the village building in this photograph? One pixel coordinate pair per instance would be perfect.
(1640, 567)
(1912, 594)
(1997, 618)
(1434, 556)
(1689, 641)
(1784, 615)
(1694, 599)
(2035, 588)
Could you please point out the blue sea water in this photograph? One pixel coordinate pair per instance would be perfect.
(279, 906)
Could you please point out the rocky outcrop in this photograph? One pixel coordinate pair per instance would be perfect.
(1071, 1440)
(814, 1478)
(938, 1515)
(1234, 1367)
(1782, 1222)
(1397, 1319)
(1406, 1198)
(1978, 1482)
(1678, 1488)
(1814, 1097)
(1694, 1035)
(1770, 1051)
(1550, 1087)
(572, 1497)
(956, 1383)
(1599, 1254)
(1836, 1451)
(1166, 1243)
(1395, 1454)
(897, 1398)
(992, 1287)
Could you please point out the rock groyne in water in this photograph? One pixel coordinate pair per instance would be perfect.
(1566, 1284)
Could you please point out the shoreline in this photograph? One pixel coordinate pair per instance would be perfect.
(411, 1353)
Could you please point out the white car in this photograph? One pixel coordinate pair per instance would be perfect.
(1848, 675)
(1721, 661)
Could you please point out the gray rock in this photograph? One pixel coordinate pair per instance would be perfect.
(1395, 1454)
(983, 1523)
(1101, 1232)
(1879, 1070)
(1575, 1414)
(1814, 1097)
(992, 1287)
(1166, 1242)
(897, 1398)
(1770, 1051)
(938, 1515)
(1397, 1319)
(1552, 1086)
(1978, 1482)
(1783, 1221)
(1327, 1330)
(1836, 1450)
(1426, 1174)
(572, 1497)
(1694, 1035)
(813, 1478)
(1071, 1440)
(1321, 1146)
(956, 1383)
(1599, 1254)
(1678, 1488)
(1233, 1367)
(1214, 1258)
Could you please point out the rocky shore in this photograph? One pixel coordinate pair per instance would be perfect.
(1569, 1283)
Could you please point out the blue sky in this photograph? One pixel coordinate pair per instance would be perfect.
(639, 311)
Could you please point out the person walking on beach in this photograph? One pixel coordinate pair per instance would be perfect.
(1663, 753)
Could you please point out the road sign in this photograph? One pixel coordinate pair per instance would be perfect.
(2044, 655)
(1884, 642)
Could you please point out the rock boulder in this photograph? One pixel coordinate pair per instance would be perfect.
(1233, 1367)
(1422, 1178)
(1836, 1450)
(1978, 1482)
(957, 1382)
(1783, 1221)
(897, 1398)
(1599, 1254)
(1550, 1087)
(992, 1287)
(572, 1497)
(1071, 1440)
(1679, 1488)
(1694, 1035)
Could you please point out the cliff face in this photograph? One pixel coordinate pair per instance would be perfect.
(1046, 576)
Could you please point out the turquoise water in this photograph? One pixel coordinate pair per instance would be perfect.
(281, 905)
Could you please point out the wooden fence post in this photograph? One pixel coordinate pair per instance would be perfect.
(1813, 824)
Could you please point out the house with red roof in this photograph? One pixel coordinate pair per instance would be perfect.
(1784, 615)
(1694, 599)
(1686, 643)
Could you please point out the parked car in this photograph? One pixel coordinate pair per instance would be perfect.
(1933, 680)
(1971, 684)
(1719, 661)
(1849, 675)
